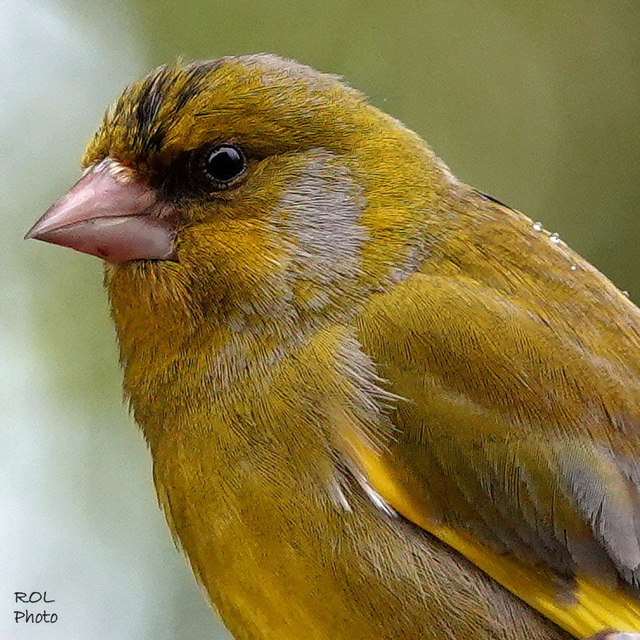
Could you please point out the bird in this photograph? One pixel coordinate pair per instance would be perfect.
(379, 402)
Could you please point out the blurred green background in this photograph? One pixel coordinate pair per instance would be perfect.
(537, 103)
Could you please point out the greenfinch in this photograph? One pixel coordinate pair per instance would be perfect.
(379, 403)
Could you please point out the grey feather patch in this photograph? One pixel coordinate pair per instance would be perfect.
(374, 497)
(600, 491)
(338, 497)
(321, 212)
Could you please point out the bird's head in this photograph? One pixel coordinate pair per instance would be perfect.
(246, 188)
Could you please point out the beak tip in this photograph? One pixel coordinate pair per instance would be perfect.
(37, 232)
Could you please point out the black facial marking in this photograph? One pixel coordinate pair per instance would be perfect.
(173, 85)
(155, 141)
(196, 74)
(149, 102)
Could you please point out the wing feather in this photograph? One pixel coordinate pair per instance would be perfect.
(505, 446)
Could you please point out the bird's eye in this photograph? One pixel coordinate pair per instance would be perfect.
(223, 164)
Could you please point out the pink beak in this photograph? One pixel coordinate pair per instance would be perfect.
(110, 214)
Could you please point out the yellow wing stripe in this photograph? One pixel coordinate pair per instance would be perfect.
(591, 608)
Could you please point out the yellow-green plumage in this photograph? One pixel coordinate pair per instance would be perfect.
(359, 371)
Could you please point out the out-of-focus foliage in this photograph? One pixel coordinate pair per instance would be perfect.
(535, 103)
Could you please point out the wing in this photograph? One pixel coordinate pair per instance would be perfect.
(517, 439)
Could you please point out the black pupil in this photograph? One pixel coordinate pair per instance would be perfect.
(224, 163)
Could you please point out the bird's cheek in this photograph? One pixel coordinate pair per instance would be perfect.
(240, 257)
